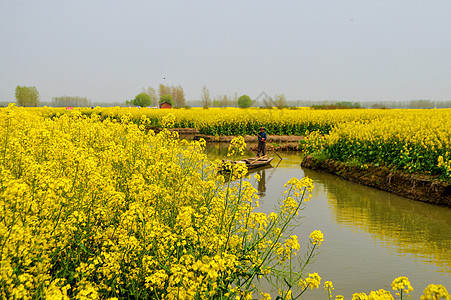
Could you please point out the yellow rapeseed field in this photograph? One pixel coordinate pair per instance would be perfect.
(97, 207)
(236, 121)
(412, 140)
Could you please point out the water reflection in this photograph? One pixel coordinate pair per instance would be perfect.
(219, 151)
(262, 183)
(403, 225)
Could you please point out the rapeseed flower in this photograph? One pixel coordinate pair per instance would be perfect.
(360, 296)
(435, 292)
(317, 237)
(402, 284)
(380, 295)
(329, 287)
(313, 280)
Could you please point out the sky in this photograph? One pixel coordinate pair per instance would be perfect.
(108, 50)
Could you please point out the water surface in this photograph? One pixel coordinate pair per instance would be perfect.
(371, 236)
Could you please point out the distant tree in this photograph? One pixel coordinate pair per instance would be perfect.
(347, 104)
(27, 96)
(76, 101)
(343, 104)
(205, 97)
(225, 101)
(177, 93)
(163, 90)
(379, 106)
(421, 104)
(216, 102)
(228, 102)
(244, 101)
(142, 99)
(280, 101)
(167, 98)
(235, 99)
(152, 93)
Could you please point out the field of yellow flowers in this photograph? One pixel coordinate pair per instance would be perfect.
(93, 207)
(236, 121)
(411, 140)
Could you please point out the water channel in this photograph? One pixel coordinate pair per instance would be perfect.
(370, 236)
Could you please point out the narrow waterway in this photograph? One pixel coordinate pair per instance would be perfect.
(370, 236)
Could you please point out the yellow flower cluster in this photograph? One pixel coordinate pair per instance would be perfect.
(380, 295)
(445, 165)
(435, 292)
(413, 140)
(297, 187)
(290, 245)
(98, 208)
(167, 121)
(329, 287)
(237, 146)
(374, 295)
(359, 296)
(402, 284)
(317, 237)
(312, 281)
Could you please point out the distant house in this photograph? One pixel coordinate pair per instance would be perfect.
(165, 105)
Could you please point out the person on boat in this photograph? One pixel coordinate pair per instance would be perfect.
(262, 137)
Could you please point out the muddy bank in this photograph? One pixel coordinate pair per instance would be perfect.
(416, 187)
(250, 138)
(179, 130)
(292, 140)
(282, 147)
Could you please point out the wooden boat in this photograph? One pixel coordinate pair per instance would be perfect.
(254, 162)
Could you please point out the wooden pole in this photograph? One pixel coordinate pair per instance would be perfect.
(277, 153)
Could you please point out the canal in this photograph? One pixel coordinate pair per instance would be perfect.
(370, 236)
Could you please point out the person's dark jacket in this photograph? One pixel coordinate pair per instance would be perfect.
(262, 135)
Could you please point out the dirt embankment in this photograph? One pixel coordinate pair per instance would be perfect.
(417, 187)
(288, 142)
(179, 130)
(281, 147)
(250, 138)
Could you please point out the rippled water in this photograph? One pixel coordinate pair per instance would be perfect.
(371, 237)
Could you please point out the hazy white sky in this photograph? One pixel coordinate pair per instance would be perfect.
(109, 50)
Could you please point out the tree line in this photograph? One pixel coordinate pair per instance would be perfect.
(166, 93)
(244, 101)
(29, 96)
(65, 101)
(176, 97)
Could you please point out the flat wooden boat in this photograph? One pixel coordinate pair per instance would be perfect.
(254, 162)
